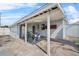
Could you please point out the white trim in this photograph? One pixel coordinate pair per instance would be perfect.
(48, 33)
(26, 32)
(63, 29)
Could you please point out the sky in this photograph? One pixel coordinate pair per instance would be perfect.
(71, 11)
(10, 13)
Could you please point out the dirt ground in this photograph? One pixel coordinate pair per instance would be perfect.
(60, 48)
(16, 47)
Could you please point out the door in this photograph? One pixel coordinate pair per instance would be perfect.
(20, 31)
(33, 29)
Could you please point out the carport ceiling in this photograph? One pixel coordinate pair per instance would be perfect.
(55, 15)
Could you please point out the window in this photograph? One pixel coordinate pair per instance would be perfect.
(53, 26)
(43, 27)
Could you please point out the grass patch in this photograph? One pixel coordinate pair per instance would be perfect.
(77, 42)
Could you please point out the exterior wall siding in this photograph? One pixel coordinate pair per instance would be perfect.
(44, 32)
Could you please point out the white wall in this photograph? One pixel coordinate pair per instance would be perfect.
(72, 30)
(15, 30)
(4, 31)
(44, 32)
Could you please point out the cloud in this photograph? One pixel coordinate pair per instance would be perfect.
(70, 9)
(16, 15)
(9, 19)
(16, 6)
(72, 14)
(10, 13)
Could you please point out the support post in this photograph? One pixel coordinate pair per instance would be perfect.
(64, 29)
(26, 32)
(18, 31)
(48, 33)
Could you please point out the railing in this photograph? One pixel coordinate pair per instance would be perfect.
(54, 34)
